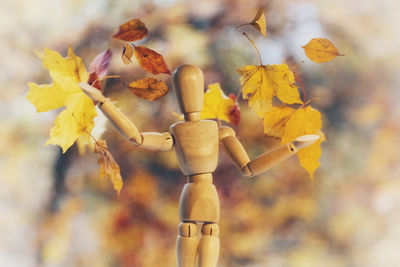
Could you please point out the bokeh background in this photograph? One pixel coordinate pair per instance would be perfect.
(55, 211)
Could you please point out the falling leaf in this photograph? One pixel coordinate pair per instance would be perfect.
(275, 121)
(94, 81)
(217, 104)
(320, 50)
(131, 31)
(108, 166)
(259, 22)
(101, 63)
(99, 68)
(127, 54)
(76, 121)
(150, 60)
(149, 88)
(260, 83)
(302, 122)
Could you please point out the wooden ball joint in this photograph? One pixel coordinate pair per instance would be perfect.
(196, 145)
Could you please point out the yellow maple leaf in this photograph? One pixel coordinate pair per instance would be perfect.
(320, 50)
(275, 121)
(76, 121)
(216, 104)
(260, 84)
(302, 122)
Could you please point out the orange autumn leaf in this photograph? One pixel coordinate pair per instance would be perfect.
(108, 166)
(150, 60)
(131, 31)
(320, 50)
(149, 88)
(127, 54)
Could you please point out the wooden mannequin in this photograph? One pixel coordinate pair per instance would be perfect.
(196, 145)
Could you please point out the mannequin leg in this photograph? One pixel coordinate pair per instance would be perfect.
(209, 245)
(186, 244)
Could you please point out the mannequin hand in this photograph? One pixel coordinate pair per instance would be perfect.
(305, 140)
(92, 92)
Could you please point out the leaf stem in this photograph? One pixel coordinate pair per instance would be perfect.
(109, 77)
(237, 27)
(298, 80)
(83, 128)
(312, 99)
(255, 47)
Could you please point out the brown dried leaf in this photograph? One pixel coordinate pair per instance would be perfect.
(108, 166)
(131, 31)
(94, 81)
(149, 88)
(150, 60)
(127, 54)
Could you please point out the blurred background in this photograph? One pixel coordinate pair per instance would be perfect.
(55, 211)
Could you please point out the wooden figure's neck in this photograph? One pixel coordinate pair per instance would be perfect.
(192, 116)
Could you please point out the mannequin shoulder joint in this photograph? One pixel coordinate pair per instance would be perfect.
(225, 131)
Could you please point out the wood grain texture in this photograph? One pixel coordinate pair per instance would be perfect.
(121, 122)
(156, 141)
(186, 244)
(208, 251)
(199, 200)
(196, 146)
(236, 151)
(269, 159)
(188, 82)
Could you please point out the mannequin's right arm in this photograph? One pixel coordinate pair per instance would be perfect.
(147, 140)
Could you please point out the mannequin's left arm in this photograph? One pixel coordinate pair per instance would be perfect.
(265, 161)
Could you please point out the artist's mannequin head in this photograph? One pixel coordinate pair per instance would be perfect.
(188, 83)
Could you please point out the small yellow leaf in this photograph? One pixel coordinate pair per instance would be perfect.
(275, 121)
(217, 104)
(127, 54)
(77, 119)
(108, 166)
(320, 50)
(302, 122)
(259, 22)
(260, 84)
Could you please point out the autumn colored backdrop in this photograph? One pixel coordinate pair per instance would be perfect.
(67, 216)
